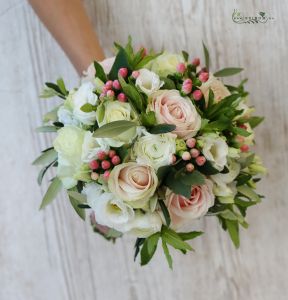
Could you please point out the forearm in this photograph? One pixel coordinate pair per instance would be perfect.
(70, 25)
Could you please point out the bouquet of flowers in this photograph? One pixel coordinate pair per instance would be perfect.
(151, 142)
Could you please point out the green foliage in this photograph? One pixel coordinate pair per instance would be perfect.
(162, 128)
(44, 170)
(76, 199)
(255, 121)
(52, 192)
(88, 107)
(165, 212)
(148, 119)
(47, 157)
(227, 72)
(113, 129)
(121, 61)
(185, 55)
(47, 128)
(100, 72)
(206, 56)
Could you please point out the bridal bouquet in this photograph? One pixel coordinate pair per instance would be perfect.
(149, 143)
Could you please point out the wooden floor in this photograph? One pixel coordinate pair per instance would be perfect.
(52, 254)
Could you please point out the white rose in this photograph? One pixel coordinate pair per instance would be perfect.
(145, 224)
(183, 210)
(115, 111)
(109, 210)
(133, 183)
(155, 150)
(215, 149)
(165, 64)
(218, 88)
(148, 81)
(171, 108)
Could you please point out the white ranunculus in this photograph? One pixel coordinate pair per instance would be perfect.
(148, 81)
(145, 224)
(218, 88)
(111, 111)
(165, 64)
(224, 186)
(155, 150)
(109, 209)
(215, 149)
(91, 147)
(133, 183)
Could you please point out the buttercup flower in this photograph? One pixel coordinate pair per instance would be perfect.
(182, 210)
(165, 64)
(115, 111)
(155, 150)
(171, 108)
(215, 149)
(218, 88)
(133, 183)
(148, 81)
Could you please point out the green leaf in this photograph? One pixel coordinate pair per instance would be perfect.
(56, 88)
(46, 158)
(240, 131)
(87, 108)
(43, 172)
(167, 254)
(227, 72)
(149, 247)
(177, 186)
(146, 60)
(210, 98)
(46, 128)
(243, 178)
(113, 129)
(148, 119)
(185, 55)
(194, 178)
(121, 61)
(249, 193)
(233, 229)
(62, 87)
(168, 84)
(206, 56)
(173, 239)
(255, 121)
(52, 192)
(208, 169)
(139, 242)
(185, 236)
(162, 128)
(100, 72)
(76, 199)
(165, 212)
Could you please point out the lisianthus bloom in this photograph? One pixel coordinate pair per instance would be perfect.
(133, 183)
(148, 81)
(171, 108)
(183, 210)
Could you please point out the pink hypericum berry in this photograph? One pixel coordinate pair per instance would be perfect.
(122, 97)
(105, 89)
(187, 86)
(109, 84)
(243, 126)
(116, 160)
(94, 165)
(191, 142)
(94, 176)
(197, 95)
(186, 155)
(116, 85)
(110, 93)
(244, 148)
(196, 61)
(200, 160)
(111, 153)
(106, 174)
(203, 77)
(123, 72)
(105, 164)
(135, 74)
(194, 152)
(189, 167)
(181, 68)
(240, 139)
(101, 155)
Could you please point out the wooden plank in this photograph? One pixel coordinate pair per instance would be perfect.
(55, 255)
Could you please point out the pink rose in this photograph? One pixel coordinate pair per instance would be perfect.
(106, 64)
(183, 210)
(171, 108)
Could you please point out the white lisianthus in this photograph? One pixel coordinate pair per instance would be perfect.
(145, 224)
(224, 186)
(165, 63)
(133, 183)
(66, 117)
(111, 111)
(68, 144)
(109, 209)
(218, 88)
(215, 149)
(148, 81)
(155, 150)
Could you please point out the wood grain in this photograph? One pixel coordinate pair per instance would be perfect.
(53, 254)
